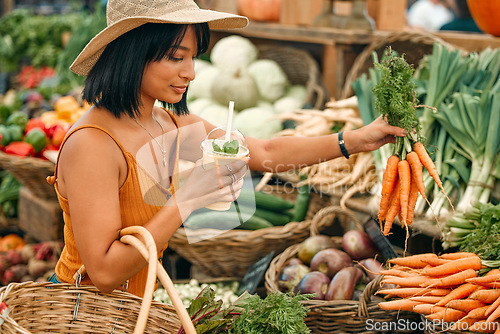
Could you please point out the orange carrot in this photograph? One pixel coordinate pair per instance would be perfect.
(434, 262)
(398, 305)
(416, 172)
(412, 201)
(411, 292)
(478, 313)
(465, 305)
(393, 211)
(397, 273)
(494, 306)
(427, 309)
(454, 266)
(446, 315)
(492, 285)
(388, 184)
(485, 279)
(413, 261)
(426, 299)
(487, 296)
(427, 162)
(457, 255)
(450, 280)
(414, 281)
(462, 291)
(404, 188)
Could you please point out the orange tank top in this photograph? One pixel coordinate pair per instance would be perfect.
(135, 209)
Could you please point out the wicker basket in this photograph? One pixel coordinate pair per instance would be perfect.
(338, 316)
(68, 308)
(300, 68)
(31, 172)
(233, 252)
(415, 45)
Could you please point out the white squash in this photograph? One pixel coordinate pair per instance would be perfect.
(270, 78)
(197, 106)
(299, 92)
(201, 86)
(257, 122)
(236, 86)
(215, 114)
(233, 53)
(287, 104)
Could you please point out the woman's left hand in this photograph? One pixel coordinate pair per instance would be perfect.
(372, 136)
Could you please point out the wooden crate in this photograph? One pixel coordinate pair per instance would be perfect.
(388, 14)
(300, 12)
(40, 218)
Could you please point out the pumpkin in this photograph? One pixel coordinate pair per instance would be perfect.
(485, 13)
(11, 241)
(239, 87)
(260, 10)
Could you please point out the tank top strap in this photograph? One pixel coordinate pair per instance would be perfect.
(52, 179)
(172, 116)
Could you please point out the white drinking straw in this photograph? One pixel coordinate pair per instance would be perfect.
(229, 120)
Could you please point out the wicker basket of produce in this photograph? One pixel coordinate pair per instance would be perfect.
(414, 44)
(31, 172)
(231, 253)
(330, 312)
(33, 307)
(300, 68)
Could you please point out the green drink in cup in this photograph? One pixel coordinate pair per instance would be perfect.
(221, 148)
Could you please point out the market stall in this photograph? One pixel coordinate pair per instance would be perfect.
(361, 244)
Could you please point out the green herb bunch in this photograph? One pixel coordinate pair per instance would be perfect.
(394, 98)
(229, 147)
(276, 314)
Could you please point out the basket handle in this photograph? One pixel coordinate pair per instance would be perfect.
(369, 290)
(325, 216)
(149, 251)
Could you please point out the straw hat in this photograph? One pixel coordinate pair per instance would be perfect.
(125, 15)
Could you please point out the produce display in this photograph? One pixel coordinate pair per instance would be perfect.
(452, 288)
(331, 271)
(20, 262)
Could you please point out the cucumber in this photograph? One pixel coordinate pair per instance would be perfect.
(265, 201)
(302, 202)
(275, 218)
(224, 220)
(255, 223)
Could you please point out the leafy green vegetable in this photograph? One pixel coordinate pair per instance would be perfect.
(484, 240)
(230, 147)
(278, 313)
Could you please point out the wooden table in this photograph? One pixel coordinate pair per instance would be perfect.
(336, 49)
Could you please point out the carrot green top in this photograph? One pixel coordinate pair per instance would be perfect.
(135, 209)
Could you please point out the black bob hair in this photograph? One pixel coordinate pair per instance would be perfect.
(114, 81)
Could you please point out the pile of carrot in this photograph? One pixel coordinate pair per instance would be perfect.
(402, 182)
(444, 288)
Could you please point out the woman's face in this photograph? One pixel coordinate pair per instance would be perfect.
(168, 79)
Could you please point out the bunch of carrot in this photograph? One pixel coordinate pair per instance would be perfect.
(445, 288)
(403, 179)
(402, 183)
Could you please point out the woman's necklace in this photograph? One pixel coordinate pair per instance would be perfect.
(163, 150)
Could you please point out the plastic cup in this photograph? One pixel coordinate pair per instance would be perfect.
(213, 159)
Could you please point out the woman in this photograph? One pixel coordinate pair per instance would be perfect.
(146, 54)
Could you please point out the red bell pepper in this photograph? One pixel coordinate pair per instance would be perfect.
(20, 148)
(34, 123)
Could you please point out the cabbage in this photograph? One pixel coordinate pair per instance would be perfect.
(200, 65)
(287, 104)
(201, 86)
(299, 92)
(197, 106)
(257, 122)
(233, 53)
(238, 86)
(270, 78)
(215, 114)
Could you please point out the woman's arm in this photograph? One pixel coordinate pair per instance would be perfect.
(284, 153)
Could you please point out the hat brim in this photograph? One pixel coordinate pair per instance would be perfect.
(93, 50)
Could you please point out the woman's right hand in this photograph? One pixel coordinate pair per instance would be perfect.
(207, 184)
